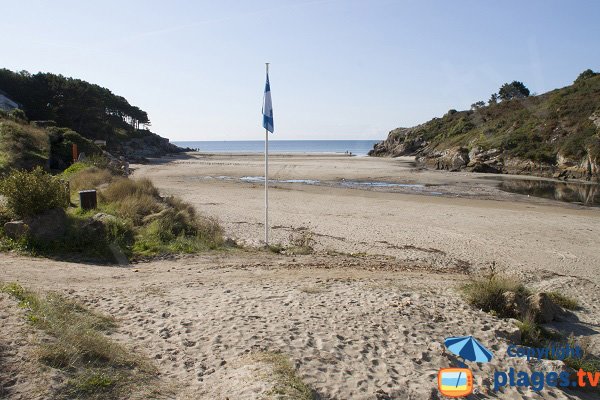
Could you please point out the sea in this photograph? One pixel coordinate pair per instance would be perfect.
(357, 147)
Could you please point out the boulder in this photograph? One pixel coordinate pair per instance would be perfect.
(230, 242)
(544, 309)
(96, 225)
(515, 304)
(48, 226)
(15, 229)
(453, 159)
(104, 218)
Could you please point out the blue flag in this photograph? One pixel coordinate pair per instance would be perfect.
(268, 108)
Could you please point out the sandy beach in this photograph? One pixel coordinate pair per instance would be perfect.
(455, 217)
(366, 315)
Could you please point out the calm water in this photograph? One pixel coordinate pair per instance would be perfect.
(358, 147)
(587, 194)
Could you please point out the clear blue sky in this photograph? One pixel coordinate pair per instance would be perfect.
(340, 69)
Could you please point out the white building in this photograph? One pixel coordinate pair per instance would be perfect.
(7, 104)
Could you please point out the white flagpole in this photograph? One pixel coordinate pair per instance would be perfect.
(267, 180)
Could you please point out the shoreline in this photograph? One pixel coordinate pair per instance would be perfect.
(472, 185)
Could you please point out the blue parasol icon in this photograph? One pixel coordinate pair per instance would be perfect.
(468, 348)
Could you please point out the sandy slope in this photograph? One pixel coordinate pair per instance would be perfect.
(351, 326)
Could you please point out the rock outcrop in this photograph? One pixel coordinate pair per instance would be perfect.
(555, 134)
(149, 145)
(407, 142)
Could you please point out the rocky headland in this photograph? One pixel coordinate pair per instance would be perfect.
(556, 134)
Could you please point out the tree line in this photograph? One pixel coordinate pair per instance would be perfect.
(89, 109)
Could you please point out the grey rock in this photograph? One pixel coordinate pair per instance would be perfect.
(104, 218)
(49, 226)
(544, 309)
(230, 242)
(15, 229)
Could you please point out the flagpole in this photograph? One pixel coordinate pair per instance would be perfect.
(267, 180)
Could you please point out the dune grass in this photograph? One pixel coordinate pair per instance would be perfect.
(288, 384)
(139, 222)
(534, 335)
(487, 293)
(93, 365)
(85, 177)
(564, 301)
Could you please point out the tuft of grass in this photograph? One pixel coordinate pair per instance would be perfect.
(276, 248)
(178, 230)
(85, 177)
(312, 289)
(89, 178)
(534, 335)
(95, 366)
(288, 384)
(302, 243)
(589, 362)
(564, 301)
(487, 293)
(126, 188)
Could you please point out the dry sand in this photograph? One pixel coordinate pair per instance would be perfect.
(365, 326)
(518, 232)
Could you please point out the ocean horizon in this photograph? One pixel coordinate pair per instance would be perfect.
(357, 147)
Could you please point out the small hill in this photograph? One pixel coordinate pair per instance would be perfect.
(553, 134)
(65, 111)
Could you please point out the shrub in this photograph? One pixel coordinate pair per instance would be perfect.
(18, 115)
(513, 90)
(588, 73)
(31, 193)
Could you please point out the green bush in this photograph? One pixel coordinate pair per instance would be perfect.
(30, 193)
(18, 115)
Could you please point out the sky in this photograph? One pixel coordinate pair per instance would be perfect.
(340, 69)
